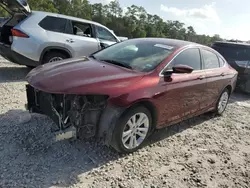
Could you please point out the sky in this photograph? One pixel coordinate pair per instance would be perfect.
(228, 18)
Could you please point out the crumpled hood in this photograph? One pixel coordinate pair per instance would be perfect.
(83, 76)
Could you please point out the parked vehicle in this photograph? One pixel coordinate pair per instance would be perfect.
(126, 91)
(34, 38)
(238, 56)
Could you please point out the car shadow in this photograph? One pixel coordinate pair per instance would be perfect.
(28, 149)
(169, 131)
(238, 96)
(13, 74)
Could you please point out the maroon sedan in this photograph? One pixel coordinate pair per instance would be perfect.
(126, 91)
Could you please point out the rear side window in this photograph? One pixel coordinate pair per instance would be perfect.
(211, 60)
(82, 29)
(222, 62)
(190, 57)
(55, 24)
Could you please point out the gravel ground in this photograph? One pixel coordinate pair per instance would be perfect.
(204, 151)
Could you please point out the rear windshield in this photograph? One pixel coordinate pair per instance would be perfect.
(233, 52)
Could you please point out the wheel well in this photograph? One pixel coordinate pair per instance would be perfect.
(152, 109)
(229, 87)
(56, 50)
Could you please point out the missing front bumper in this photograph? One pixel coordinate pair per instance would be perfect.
(74, 115)
(69, 133)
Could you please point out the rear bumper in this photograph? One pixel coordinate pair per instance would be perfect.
(7, 53)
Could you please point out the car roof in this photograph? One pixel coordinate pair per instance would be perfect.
(68, 17)
(227, 43)
(167, 41)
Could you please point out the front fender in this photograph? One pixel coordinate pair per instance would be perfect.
(108, 121)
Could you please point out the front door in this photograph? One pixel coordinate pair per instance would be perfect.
(105, 37)
(183, 93)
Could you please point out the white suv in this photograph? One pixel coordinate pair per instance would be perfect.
(32, 38)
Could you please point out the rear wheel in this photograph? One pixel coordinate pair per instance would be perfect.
(53, 56)
(222, 102)
(132, 130)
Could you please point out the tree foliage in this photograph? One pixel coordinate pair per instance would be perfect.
(133, 22)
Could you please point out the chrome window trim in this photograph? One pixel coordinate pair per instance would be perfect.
(191, 47)
(188, 47)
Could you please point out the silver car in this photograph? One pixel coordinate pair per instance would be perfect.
(32, 38)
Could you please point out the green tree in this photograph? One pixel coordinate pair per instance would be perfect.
(135, 22)
(43, 5)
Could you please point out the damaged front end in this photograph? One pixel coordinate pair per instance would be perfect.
(77, 114)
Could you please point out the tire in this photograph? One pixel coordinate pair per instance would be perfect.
(48, 58)
(222, 102)
(30, 67)
(122, 126)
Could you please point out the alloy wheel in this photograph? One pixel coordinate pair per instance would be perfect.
(135, 131)
(55, 59)
(223, 102)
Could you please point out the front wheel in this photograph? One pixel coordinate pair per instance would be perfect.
(132, 130)
(222, 102)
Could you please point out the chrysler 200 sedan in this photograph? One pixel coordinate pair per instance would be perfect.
(124, 92)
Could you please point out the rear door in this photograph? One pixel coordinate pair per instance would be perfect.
(80, 38)
(15, 6)
(216, 74)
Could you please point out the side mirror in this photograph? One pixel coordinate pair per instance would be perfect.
(103, 45)
(181, 69)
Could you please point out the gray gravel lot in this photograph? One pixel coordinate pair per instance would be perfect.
(205, 151)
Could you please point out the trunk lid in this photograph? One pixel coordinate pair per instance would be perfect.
(16, 6)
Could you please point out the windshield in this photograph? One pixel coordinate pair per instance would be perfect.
(139, 55)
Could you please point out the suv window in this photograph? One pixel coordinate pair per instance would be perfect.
(233, 52)
(55, 24)
(82, 29)
(104, 34)
(190, 57)
(211, 60)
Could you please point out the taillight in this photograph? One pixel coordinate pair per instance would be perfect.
(17, 33)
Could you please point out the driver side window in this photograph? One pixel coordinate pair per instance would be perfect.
(190, 57)
(104, 34)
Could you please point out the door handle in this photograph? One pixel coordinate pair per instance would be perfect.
(223, 74)
(70, 40)
(202, 77)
